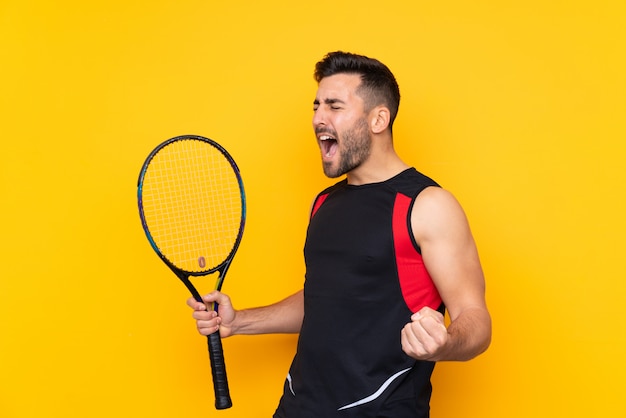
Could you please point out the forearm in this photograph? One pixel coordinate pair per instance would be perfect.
(284, 317)
(468, 335)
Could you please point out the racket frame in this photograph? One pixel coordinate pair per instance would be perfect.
(216, 354)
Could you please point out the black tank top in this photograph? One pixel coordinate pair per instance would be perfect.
(364, 279)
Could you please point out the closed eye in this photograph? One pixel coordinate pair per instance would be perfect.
(333, 104)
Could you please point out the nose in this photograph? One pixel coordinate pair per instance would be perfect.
(319, 118)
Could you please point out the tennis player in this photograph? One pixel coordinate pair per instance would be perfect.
(388, 251)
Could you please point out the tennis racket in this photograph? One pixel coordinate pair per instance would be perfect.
(193, 209)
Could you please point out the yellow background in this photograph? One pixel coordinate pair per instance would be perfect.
(517, 107)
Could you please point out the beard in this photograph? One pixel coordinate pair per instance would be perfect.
(354, 149)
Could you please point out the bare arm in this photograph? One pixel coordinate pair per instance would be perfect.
(279, 318)
(442, 231)
(284, 316)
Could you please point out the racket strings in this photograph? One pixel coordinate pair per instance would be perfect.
(192, 204)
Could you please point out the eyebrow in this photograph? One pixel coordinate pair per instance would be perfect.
(329, 101)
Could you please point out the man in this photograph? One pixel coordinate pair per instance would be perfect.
(387, 251)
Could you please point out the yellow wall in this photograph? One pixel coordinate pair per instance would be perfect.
(517, 107)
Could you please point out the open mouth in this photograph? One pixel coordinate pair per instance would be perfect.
(328, 145)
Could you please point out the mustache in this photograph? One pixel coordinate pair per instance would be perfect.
(324, 130)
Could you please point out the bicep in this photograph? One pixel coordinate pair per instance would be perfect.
(449, 251)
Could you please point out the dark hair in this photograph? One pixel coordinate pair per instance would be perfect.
(378, 84)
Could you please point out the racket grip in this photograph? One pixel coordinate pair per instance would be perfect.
(218, 369)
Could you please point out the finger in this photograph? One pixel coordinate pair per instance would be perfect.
(195, 305)
(216, 296)
(435, 333)
(417, 332)
(219, 301)
(204, 315)
(208, 329)
(428, 312)
(427, 331)
(207, 322)
(430, 335)
(411, 343)
(428, 323)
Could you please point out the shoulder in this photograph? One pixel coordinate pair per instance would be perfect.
(338, 185)
(411, 182)
(321, 196)
(435, 199)
(437, 213)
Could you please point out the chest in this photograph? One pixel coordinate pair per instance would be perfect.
(349, 248)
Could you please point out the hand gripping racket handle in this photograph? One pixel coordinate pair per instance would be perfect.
(216, 356)
(218, 369)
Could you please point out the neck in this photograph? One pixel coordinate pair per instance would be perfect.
(380, 166)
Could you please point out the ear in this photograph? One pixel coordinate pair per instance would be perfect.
(379, 119)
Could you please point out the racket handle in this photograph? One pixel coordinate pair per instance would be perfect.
(218, 369)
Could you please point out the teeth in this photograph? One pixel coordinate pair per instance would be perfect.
(325, 138)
